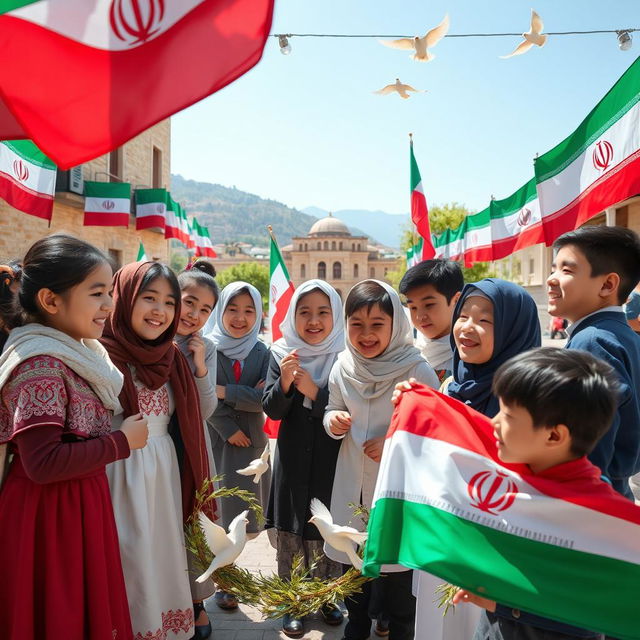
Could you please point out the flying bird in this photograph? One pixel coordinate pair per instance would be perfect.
(422, 45)
(401, 89)
(533, 36)
(225, 547)
(340, 538)
(256, 467)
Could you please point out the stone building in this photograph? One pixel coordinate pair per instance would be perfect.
(144, 161)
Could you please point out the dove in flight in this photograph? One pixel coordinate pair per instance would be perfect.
(401, 89)
(225, 547)
(533, 36)
(422, 45)
(256, 467)
(340, 538)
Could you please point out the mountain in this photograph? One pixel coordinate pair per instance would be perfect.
(377, 224)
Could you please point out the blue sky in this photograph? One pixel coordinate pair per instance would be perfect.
(306, 129)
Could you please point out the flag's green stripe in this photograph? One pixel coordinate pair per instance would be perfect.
(28, 151)
(10, 5)
(581, 589)
(478, 220)
(415, 172)
(624, 95)
(275, 259)
(147, 196)
(107, 189)
(512, 204)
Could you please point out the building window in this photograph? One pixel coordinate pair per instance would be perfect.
(340, 245)
(306, 247)
(353, 246)
(333, 246)
(532, 266)
(116, 257)
(115, 165)
(303, 271)
(322, 270)
(326, 246)
(372, 272)
(355, 270)
(358, 246)
(156, 177)
(337, 271)
(319, 246)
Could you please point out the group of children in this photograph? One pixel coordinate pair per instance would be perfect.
(120, 395)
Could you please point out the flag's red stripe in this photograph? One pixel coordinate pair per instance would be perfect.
(529, 237)
(206, 252)
(282, 305)
(420, 217)
(150, 222)
(25, 199)
(271, 427)
(101, 219)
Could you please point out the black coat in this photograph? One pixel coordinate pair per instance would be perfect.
(305, 458)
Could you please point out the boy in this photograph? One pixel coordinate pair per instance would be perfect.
(594, 271)
(432, 289)
(554, 406)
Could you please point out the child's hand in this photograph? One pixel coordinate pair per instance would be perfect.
(288, 366)
(198, 350)
(340, 423)
(462, 595)
(400, 388)
(238, 439)
(221, 391)
(373, 448)
(135, 429)
(304, 384)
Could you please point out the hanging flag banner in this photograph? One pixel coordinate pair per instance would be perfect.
(202, 239)
(419, 210)
(107, 204)
(27, 178)
(151, 208)
(414, 255)
(117, 55)
(173, 228)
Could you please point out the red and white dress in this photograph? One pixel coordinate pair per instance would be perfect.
(59, 555)
(145, 489)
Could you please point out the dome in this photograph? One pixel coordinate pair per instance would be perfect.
(329, 226)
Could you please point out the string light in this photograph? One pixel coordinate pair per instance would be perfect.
(283, 41)
(624, 40)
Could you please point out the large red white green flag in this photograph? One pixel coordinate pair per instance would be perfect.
(419, 210)
(280, 290)
(128, 64)
(560, 544)
(27, 178)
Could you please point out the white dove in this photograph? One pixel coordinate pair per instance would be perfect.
(226, 548)
(340, 538)
(256, 467)
(400, 88)
(533, 36)
(422, 45)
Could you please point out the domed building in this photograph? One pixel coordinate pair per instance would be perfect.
(330, 252)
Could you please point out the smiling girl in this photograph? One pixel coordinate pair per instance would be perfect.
(153, 492)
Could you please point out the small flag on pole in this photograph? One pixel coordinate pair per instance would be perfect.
(107, 204)
(142, 256)
(419, 211)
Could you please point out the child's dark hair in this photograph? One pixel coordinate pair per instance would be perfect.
(57, 262)
(159, 270)
(445, 276)
(239, 292)
(561, 386)
(366, 294)
(201, 274)
(607, 250)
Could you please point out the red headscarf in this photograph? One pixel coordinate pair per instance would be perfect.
(155, 364)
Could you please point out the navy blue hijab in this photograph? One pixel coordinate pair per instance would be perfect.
(516, 329)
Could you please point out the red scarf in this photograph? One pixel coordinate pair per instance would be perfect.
(157, 363)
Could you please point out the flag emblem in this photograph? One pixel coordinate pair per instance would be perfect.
(524, 217)
(108, 205)
(602, 155)
(135, 21)
(492, 491)
(20, 169)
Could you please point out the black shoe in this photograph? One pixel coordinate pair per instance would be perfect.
(292, 627)
(202, 631)
(226, 601)
(382, 628)
(332, 615)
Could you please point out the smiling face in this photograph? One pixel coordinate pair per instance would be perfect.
(239, 316)
(314, 317)
(153, 310)
(370, 330)
(431, 314)
(473, 330)
(197, 304)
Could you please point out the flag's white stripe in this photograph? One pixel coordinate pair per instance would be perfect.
(95, 204)
(443, 484)
(89, 22)
(560, 190)
(508, 227)
(39, 179)
(419, 188)
(477, 237)
(150, 209)
(279, 282)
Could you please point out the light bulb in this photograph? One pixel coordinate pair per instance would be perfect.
(285, 47)
(625, 41)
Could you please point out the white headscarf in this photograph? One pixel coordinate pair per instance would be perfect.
(235, 348)
(317, 359)
(373, 377)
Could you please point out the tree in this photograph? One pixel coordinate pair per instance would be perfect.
(251, 272)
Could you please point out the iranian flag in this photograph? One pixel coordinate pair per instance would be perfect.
(202, 240)
(27, 178)
(419, 211)
(151, 208)
(414, 255)
(128, 64)
(142, 254)
(560, 544)
(173, 227)
(598, 165)
(107, 204)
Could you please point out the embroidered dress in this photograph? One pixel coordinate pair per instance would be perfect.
(145, 490)
(61, 572)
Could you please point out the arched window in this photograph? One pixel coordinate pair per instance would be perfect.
(372, 272)
(337, 271)
(322, 270)
(353, 246)
(340, 245)
(358, 246)
(355, 270)
(306, 247)
(326, 246)
(319, 246)
(333, 246)
(303, 271)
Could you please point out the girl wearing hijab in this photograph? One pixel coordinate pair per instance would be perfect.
(236, 427)
(296, 392)
(153, 491)
(379, 354)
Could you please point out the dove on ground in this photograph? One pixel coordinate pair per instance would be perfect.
(533, 36)
(422, 45)
(256, 467)
(343, 539)
(401, 89)
(225, 547)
